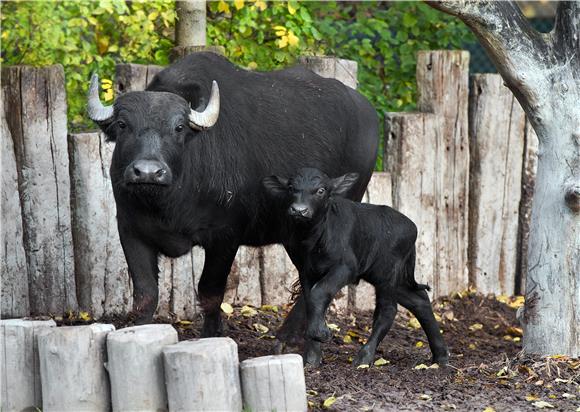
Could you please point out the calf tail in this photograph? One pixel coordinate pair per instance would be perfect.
(410, 273)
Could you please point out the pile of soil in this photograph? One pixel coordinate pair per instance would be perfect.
(487, 368)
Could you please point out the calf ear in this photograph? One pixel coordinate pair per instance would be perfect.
(342, 184)
(275, 185)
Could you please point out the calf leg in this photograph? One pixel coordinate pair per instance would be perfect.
(142, 261)
(417, 301)
(318, 299)
(383, 318)
(212, 285)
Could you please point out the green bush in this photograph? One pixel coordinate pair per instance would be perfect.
(383, 37)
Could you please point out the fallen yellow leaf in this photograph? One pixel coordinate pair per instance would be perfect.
(227, 308)
(489, 409)
(347, 339)
(568, 396)
(414, 323)
(512, 330)
(471, 346)
(184, 322)
(419, 344)
(328, 402)
(84, 316)
(381, 362)
(421, 366)
(248, 311)
(531, 398)
(425, 397)
(363, 366)
(333, 326)
(543, 405)
(260, 328)
(476, 326)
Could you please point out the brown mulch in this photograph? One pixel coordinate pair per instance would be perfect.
(487, 368)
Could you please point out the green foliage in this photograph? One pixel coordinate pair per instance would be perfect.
(263, 36)
(383, 37)
(85, 36)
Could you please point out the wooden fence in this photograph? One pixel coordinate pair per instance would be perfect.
(462, 168)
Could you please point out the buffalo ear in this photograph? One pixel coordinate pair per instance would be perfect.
(342, 184)
(275, 185)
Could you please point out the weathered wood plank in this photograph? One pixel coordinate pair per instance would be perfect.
(413, 171)
(37, 123)
(135, 365)
(496, 140)
(243, 286)
(274, 383)
(20, 368)
(13, 274)
(189, 385)
(443, 87)
(277, 276)
(72, 368)
(342, 70)
(379, 192)
(103, 281)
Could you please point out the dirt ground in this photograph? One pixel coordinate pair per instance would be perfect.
(487, 372)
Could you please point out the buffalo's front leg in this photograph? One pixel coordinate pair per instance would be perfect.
(212, 286)
(144, 271)
(319, 298)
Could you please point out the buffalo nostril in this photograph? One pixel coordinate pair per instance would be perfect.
(160, 172)
(137, 171)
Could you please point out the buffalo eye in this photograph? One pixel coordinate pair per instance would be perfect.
(180, 128)
(121, 124)
(321, 191)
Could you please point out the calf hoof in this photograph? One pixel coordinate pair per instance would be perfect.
(364, 357)
(312, 354)
(319, 333)
(442, 359)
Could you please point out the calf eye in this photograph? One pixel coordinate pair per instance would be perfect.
(179, 128)
(121, 124)
(321, 191)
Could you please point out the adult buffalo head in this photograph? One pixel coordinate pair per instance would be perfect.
(150, 130)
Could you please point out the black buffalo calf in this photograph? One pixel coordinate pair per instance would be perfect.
(336, 242)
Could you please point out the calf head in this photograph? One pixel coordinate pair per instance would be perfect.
(150, 130)
(307, 194)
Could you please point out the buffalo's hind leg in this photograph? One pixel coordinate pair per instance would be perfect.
(384, 315)
(212, 286)
(417, 301)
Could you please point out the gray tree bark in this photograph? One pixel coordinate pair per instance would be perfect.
(543, 72)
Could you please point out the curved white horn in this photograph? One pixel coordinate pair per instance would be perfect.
(97, 112)
(206, 119)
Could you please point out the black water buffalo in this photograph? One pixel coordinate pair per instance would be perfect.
(337, 242)
(189, 161)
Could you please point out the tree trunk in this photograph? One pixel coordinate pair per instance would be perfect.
(543, 72)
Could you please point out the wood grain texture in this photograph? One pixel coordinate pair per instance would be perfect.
(13, 272)
(103, 282)
(496, 141)
(443, 87)
(38, 125)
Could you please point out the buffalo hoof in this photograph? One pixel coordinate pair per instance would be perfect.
(319, 333)
(442, 359)
(364, 357)
(312, 354)
(212, 327)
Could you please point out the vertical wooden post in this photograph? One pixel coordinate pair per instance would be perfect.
(410, 159)
(274, 383)
(72, 368)
(135, 366)
(496, 142)
(35, 108)
(101, 272)
(203, 375)
(443, 86)
(243, 285)
(20, 368)
(190, 29)
(13, 274)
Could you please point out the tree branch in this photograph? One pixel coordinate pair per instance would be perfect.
(566, 34)
(518, 51)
